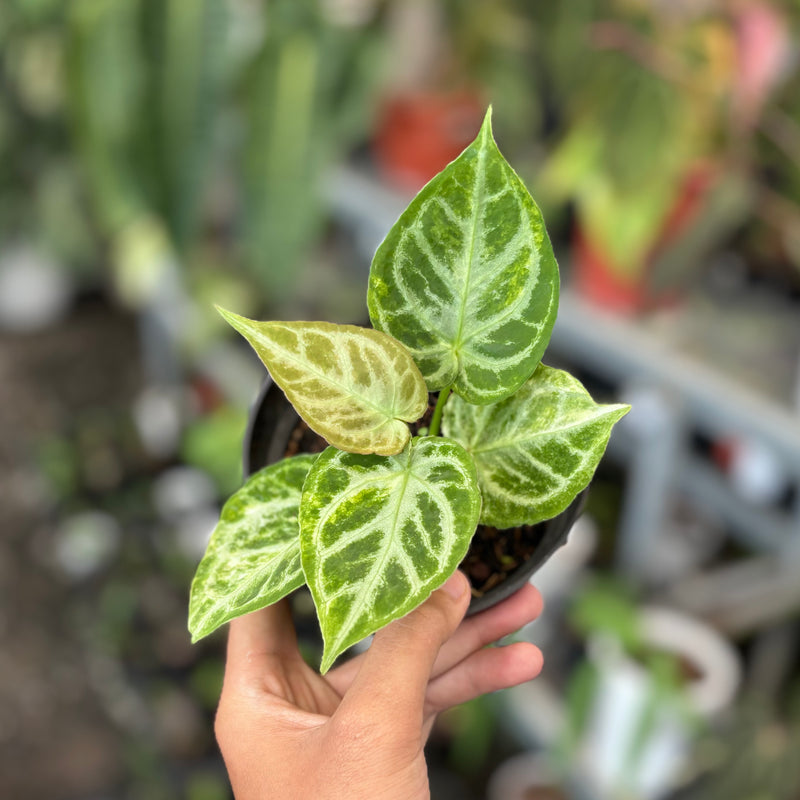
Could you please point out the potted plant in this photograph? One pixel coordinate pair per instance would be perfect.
(652, 680)
(655, 171)
(444, 59)
(463, 294)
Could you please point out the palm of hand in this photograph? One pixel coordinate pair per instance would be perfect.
(359, 731)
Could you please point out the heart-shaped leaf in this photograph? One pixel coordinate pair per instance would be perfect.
(536, 450)
(466, 278)
(253, 557)
(378, 534)
(356, 387)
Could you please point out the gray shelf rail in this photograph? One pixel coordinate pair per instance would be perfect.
(675, 395)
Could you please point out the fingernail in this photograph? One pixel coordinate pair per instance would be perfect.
(455, 585)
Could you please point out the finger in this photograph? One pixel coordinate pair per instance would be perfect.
(474, 633)
(488, 670)
(394, 674)
(259, 635)
(490, 626)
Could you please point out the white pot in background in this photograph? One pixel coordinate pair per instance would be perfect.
(635, 744)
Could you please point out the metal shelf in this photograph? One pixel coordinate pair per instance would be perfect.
(626, 351)
(676, 396)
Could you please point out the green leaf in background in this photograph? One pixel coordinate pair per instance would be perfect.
(253, 558)
(190, 58)
(213, 443)
(355, 387)
(379, 534)
(143, 86)
(284, 153)
(105, 73)
(536, 450)
(466, 278)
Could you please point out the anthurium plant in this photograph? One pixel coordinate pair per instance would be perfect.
(463, 294)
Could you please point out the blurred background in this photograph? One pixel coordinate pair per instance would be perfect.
(159, 156)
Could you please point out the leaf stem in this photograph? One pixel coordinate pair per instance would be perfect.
(437, 412)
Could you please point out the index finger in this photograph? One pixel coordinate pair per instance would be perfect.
(260, 635)
(474, 633)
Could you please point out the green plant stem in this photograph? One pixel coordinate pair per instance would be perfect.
(437, 412)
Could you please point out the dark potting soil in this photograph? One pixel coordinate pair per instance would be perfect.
(494, 554)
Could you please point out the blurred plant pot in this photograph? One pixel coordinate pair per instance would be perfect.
(525, 777)
(597, 279)
(418, 133)
(637, 739)
(273, 432)
(604, 283)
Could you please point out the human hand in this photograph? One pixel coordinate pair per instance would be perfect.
(359, 732)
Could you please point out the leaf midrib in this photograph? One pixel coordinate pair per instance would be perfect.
(377, 568)
(512, 309)
(477, 220)
(504, 444)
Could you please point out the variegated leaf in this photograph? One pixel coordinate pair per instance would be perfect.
(536, 450)
(466, 278)
(378, 534)
(356, 387)
(253, 557)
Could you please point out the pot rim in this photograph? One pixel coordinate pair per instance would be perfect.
(701, 646)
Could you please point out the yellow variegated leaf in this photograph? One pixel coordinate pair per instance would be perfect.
(356, 387)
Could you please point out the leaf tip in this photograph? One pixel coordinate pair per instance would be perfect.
(195, 629)
(239, 323)
(228, 316)
(197, 623)
(486, 127)
(620, 410)
(328, 658)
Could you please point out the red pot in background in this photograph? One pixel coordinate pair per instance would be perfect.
(697, 185)
(599, 280)
(418, 134)
(596, 278)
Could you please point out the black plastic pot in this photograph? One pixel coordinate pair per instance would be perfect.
(271, 423)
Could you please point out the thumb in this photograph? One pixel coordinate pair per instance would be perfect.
(397, 667)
